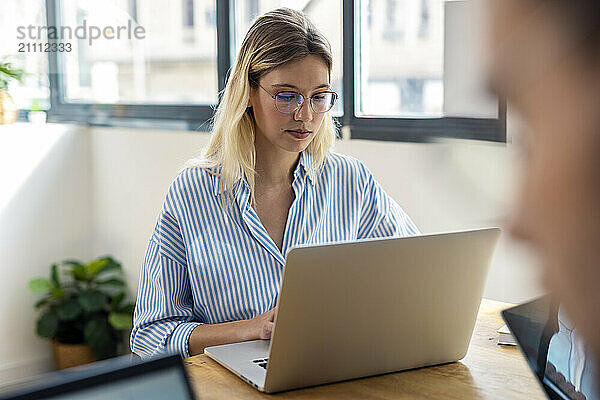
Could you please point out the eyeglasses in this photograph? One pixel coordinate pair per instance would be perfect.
(287, 102)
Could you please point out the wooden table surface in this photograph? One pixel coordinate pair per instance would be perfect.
(489, 371)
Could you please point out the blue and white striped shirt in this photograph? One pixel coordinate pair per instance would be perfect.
(209, 264)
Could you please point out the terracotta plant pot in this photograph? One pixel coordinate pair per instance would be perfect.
(71, 355)
(8, 108)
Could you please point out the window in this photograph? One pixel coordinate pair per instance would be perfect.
(188, 23)
(134, 62)
(133, 10)
(15, 17)
(162, 65)
(401, 58)
(188, 13)
(417, 75)
(403, 68)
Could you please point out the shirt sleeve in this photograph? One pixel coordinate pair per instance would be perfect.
(163, 317)
(380, 215)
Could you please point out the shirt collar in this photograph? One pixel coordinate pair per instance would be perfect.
(216, 177)
(303, 168)
(218, 189)
(305, 163)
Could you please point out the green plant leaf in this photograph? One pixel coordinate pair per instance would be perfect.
(104, 347)
(40, 285)
(72, 263)
(98, 334)
(54, 275)
(120, 321)
(80, 273)
(110, 265)
(116, 300)
(57, 293)
(94, 267)
(47, 325)
(68, 310)
(92, 300)
(95, 327)
(36, 105)
(41, 302)
(10, 72)
(128, 309)
(112, 282)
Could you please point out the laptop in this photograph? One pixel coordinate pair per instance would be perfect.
(351, 310)
(163, 377)
(554, 351)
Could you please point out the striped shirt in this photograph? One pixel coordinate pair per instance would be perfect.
(209, 264)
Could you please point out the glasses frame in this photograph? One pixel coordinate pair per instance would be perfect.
(303, 98)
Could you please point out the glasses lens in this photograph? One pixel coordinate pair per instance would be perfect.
(322, 102)
(288, 102)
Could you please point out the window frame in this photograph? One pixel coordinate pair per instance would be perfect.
(168, 116)
(406, 129)
(199, 117)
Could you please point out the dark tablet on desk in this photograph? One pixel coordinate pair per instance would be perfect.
(118, 378)
(553, 350)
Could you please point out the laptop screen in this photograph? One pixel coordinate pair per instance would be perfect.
(553, 349)
(166, 384)
(116, 379)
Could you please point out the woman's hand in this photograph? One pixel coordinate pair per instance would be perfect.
(261, 326)
(205, 335)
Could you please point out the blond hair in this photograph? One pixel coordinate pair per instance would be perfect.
(274, 39)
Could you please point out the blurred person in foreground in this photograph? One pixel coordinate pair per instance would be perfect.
(545, 59)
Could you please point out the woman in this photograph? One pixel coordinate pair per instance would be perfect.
(546, 61)
(268, 181)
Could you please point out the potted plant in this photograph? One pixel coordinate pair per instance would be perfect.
(8, 109)
(84, 310)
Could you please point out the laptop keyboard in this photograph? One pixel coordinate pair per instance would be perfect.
(261, 362)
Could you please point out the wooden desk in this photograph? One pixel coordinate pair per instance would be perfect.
(489, 371)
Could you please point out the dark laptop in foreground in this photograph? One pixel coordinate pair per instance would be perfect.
(351, 310)
(118, 378)
(555, 353)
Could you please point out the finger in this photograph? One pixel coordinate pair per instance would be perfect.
(269, 329)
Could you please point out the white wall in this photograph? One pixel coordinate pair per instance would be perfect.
(131, 171)
(45, 216)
